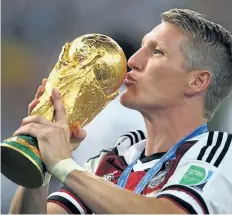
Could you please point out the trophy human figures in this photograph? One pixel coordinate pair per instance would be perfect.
(88, 75)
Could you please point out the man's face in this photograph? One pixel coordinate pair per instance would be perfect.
(158, 75)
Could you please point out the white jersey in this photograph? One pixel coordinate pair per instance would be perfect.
(199, 179)
(202, 181)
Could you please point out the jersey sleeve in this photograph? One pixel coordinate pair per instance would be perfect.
(202, 181)
(68, 200)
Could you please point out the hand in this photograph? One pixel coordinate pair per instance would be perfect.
(39, 93)
(77, 136)
(53, 137)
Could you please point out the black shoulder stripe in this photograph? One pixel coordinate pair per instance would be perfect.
(209, 143)
(224, 151)
(130, 137)
(141, 134)
(215, 148)
(180, 202)
(190, 192)
(136, 136)
(73, 209)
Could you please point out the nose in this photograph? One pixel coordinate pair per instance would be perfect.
(138, 60)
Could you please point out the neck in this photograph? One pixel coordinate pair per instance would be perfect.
(166, 128)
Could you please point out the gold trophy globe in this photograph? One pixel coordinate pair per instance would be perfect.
(88, 75)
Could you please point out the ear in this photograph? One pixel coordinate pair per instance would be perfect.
(198, 82)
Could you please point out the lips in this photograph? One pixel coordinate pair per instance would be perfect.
(129, 80)
(130, 77)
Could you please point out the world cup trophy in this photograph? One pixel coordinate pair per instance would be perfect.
(88, 75)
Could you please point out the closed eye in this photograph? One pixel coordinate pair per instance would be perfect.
(157, 51)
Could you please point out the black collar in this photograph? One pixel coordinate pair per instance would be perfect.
(145, 159)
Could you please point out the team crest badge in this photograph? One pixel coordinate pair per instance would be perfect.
(158, 178)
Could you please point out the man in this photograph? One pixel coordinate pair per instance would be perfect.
(179, 76)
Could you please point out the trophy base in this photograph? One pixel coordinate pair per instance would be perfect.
(21, 162)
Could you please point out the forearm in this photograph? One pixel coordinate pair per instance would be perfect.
(105, 198)
(29, 201)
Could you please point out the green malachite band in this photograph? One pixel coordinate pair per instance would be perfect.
(32, 141)
(25, 142)
(28, 152)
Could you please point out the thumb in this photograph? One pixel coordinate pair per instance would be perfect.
(60, 113)
(77, 133)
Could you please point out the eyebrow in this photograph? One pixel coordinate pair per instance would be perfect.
(162, 46)
(151, 41)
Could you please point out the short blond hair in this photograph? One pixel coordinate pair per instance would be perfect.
(209, 47)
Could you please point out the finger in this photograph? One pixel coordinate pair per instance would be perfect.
(60, 113)
(78, 133)
(41, 89)
(36, 119)
(44, 81)
(39, 92)
(32, 105)
(82, 134)
(74, 145)
(32, 129)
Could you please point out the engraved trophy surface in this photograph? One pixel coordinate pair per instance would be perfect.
(88, 75)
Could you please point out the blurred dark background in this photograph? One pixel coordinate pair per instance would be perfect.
(33, 33)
